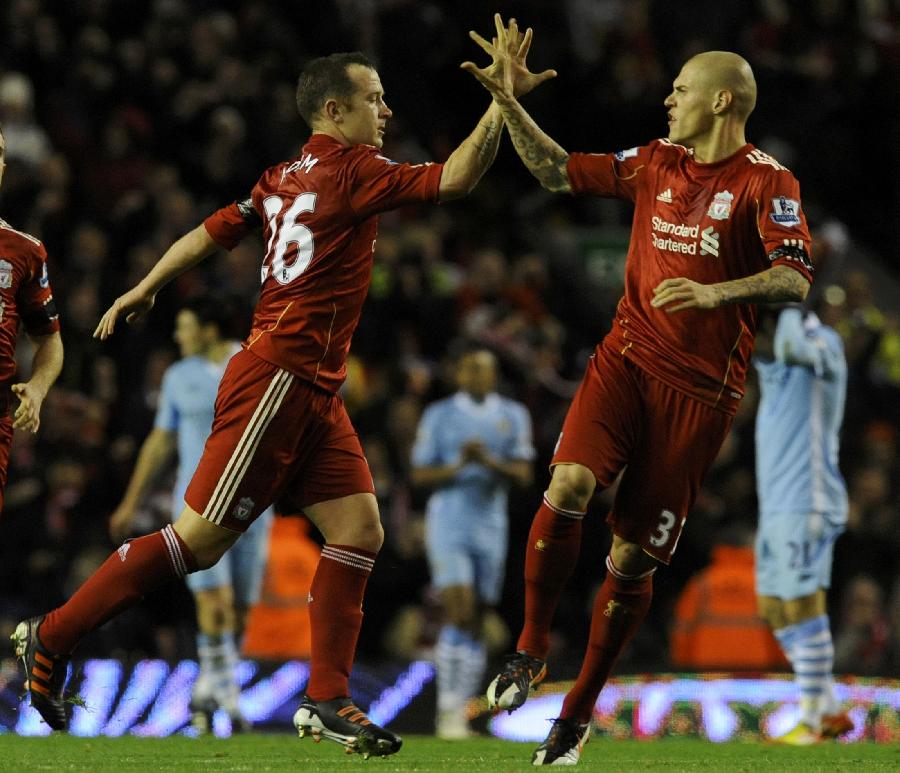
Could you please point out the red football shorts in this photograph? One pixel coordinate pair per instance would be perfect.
(274, 435)
(623, 418)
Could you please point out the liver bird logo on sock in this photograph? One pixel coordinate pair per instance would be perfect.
(612, 607)
(123, 550)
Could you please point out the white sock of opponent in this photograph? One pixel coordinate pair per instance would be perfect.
(809, 648)
(450, 652)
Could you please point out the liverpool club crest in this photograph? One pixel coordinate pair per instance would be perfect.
(243, 509)
(720, 208)
(6, 274)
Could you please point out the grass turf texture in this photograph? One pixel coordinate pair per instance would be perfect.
(421, 753)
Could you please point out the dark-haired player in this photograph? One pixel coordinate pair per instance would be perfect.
(280, 428)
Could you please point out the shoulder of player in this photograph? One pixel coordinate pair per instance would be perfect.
(664, 148)
(830, 337)
(181, 368)
(20, 241)
(510, 405)
(763, 165)
(439, 406)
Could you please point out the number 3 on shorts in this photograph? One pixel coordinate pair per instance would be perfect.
(664, 528)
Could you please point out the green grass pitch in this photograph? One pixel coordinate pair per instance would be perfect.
(259, 753)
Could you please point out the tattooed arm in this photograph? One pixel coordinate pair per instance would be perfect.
(545, 159)
(465, 166)
(779, 284)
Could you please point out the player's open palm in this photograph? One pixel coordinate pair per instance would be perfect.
(132, 305)
(508, 73)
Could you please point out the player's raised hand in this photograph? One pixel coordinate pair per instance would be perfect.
(28, 414)
(684, 292)
(132, 305)
(508, 73)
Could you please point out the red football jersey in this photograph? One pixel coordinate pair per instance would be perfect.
(319, 214)
(709, 223)
(25, 293)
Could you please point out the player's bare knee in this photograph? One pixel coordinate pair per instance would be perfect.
(206, 541)
(630, 558)
(571, 487)
(370, 535)
(771, 610)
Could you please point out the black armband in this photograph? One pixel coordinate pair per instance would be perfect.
(39, 318)
(249, 213)
(798, 254)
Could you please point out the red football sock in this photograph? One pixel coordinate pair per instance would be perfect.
(335, 617)
(554, 543)
(136, 568)
(620, 606)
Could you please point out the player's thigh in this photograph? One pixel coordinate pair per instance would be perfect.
(604, 418)
(794, 553)
(248, 560)
(678, 442)
(334, 485)
(450, 559)
(267, 422)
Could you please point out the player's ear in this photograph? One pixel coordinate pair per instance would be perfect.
(723, 99)
(333, 111)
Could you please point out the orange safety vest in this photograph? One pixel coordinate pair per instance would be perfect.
(278, 625)
(716, 623)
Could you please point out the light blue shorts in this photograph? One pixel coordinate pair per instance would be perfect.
(794, 553)
(242, 566)
(467, 558)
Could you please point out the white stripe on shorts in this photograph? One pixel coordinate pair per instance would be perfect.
(246, 446)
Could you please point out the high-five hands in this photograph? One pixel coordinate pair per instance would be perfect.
(507, 75)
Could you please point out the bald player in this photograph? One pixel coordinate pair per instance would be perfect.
(717, 229)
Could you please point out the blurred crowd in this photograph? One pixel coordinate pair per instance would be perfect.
(128, 122)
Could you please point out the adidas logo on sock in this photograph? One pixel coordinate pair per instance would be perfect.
(123, 550)
(665, 196)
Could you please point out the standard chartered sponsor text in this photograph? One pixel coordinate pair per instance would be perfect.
(675, 229)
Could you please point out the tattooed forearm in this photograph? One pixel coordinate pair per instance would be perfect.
(545, 159)
(779, 284)
(466, 165)
(487, 145)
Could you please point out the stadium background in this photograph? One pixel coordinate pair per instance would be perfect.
(127, 122)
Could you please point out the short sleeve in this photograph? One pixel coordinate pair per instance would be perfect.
(167, 411)
(425, 451)
(37, 308)
(608, 174)
(378, 184)
(229, 225)
(782, 223)
(523, 445)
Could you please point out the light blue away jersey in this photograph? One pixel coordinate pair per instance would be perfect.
(186, 407)
(476, 493)
(801, 406)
